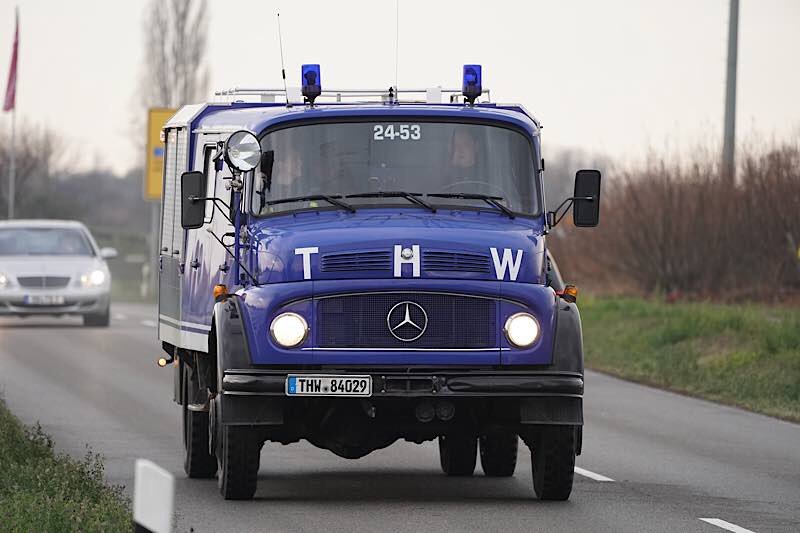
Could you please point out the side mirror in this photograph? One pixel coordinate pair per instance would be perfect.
(586, 206)
(108, 253)
(193, 205)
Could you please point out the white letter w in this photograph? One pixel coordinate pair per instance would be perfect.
(508, 262)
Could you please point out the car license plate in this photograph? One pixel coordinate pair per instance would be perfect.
(43, 299)
(328, 385)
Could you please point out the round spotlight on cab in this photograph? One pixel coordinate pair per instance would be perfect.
(289, 330)
(521, 329)
(242, 151)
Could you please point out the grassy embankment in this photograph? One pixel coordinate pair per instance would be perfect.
(745, 355)
(44, 491)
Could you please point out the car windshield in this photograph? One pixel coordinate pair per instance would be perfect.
(44, 241)
(340, 159)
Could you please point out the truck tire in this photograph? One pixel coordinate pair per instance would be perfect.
(99, 320)
(553, 462)
(457, 454)
(198, 462)
(238, 457)
(499, 453)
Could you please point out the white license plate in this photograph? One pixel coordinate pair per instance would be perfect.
(43, 299)
(328, 385)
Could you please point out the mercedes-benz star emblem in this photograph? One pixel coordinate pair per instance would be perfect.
(407, 321)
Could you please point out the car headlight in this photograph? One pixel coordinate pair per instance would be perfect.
(4, 281)
(94, 278)
(522, 329)
(289, 329)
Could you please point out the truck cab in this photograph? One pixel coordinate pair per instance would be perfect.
(355, 268)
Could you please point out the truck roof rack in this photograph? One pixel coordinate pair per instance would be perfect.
(431, 95)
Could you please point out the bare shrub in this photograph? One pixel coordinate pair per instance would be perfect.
(674, 228)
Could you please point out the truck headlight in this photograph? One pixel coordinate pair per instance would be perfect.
(289, 329)
(521, 329)
(93, 279)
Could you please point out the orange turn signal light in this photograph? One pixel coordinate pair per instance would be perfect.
(220, 291)
(570, 293)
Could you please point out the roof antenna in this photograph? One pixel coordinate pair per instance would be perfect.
(396, 46)
(283, 68)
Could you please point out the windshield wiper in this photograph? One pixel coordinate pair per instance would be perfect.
(333, 200)
(413, 197)
(491, 200)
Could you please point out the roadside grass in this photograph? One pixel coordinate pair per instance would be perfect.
(43, 491)
(744, 355)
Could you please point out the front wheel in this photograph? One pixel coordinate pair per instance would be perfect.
(98, 320)
(457, 454)
(238, 456)
(499, 453)
(553, 462)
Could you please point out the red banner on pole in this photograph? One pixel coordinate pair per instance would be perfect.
(11, 88)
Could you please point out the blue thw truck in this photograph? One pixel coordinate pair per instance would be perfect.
(357, 267)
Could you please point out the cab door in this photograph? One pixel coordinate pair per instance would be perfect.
(206, 263)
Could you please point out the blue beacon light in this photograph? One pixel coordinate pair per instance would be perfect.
(472, 83)
(311, 82)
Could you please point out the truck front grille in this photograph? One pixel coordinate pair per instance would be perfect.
(362, 321)
(455, 262)
(357, 261)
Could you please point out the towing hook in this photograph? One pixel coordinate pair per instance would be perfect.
(164, 361)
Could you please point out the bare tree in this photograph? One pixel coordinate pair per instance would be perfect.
(175, 33)
(41, 160)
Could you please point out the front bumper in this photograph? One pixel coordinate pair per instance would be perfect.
(258, 397)
(439, 383)
(76, 301)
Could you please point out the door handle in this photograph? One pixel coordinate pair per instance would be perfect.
(165, 249)
(195, 263)
(176, 252)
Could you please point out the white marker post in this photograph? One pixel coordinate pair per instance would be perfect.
(153, 495)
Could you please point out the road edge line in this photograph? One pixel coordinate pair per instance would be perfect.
(726, 525)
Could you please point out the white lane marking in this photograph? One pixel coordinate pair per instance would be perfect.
(149, 323)
(726, 525)
(591, 475)
(120, 316)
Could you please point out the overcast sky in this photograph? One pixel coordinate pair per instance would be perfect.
(614, 77)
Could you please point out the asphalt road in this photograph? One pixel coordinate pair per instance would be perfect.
(673, 460)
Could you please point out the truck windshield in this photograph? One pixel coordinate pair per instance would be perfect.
(351, 158)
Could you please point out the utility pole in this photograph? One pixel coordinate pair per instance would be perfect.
(729, 143)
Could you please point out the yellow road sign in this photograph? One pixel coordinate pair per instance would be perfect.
(154, 166)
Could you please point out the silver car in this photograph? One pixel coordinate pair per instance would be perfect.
(53, 267)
